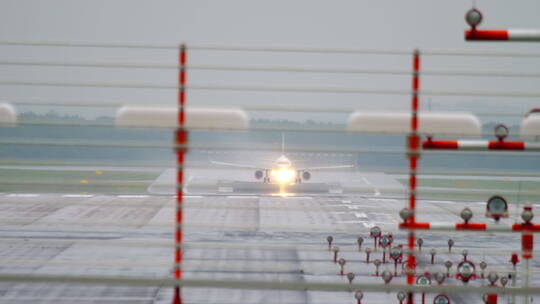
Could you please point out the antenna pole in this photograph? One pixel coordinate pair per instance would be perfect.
(282, 143)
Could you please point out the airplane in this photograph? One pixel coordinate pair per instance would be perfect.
(282, 171)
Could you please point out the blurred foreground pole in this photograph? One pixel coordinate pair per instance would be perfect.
(181, 141)
(413, 154)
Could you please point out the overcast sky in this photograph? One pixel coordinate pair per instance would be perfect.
(388, 25)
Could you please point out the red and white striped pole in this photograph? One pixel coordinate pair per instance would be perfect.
(448, 227)
(413, 154)
(474, 18)
(502, 35)
(181, 141)
(479, 145)
(527, 245)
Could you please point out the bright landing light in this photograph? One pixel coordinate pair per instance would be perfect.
(283, 176)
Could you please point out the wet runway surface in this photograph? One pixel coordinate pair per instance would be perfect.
(235, 236)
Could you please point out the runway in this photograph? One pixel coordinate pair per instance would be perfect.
(237, 236)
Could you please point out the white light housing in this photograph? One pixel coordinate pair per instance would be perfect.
(196, 118)
(530, 126)
(432, 123)
(8, 116)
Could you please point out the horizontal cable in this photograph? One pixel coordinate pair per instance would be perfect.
(207, 227)
(478, 53)
(274, 108)
(133, 165)
(253, 128)
(134, 45)
(142, 144)
(268, 68)
(167, 201)
(202, 47)
(262, 285)
(143, 165)
(318, 267)
(209, 47)
(474, 253)
(424, 192)
(343, 227)
(261, 88)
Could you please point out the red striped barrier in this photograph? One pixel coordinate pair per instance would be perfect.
(479, 145)
(502, 35)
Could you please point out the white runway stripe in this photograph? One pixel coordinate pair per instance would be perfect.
(23, 195)
(77, 195)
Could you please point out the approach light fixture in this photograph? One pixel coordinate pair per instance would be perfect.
(473, 17)
(496, 207)
(466, 214)
(466, 271)
(501, 132)
(527, 214)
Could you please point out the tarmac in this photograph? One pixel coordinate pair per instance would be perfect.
(231, 234)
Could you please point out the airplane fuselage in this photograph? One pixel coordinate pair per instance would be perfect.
(283, 172)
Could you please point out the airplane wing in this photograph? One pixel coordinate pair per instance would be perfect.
(236, 165)
(327, 168)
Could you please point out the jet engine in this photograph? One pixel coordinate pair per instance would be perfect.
(306, 175)
(259, 174)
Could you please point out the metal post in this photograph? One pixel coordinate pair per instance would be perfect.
(527, 278)
(413, 154)
(527, 243)
(514, 284)
(181, 141)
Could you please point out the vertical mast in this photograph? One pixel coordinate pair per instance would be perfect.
(282, 143)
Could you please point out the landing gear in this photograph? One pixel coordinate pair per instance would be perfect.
(266, 178)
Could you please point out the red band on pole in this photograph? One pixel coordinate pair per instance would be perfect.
(413, 163)
(412, 181)
(526, 227)
(415, 226)
(492, 298)
(527, 244)
(414, 142)
(506, 145)
(486, 35)
(469, 226)
(181, 139)
(440, 144)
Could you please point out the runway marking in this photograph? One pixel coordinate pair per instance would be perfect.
(383, 200)
(377, 192)
(193, 196)
(360, 215)
(298, 197)
(366, 181)
(78, 299)
(365, 224)
(346, 201)
(132, 196)
(190, 178)
(242, 196)
(368, 225)
(77, 195)
(225, 189)
(23, 195)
